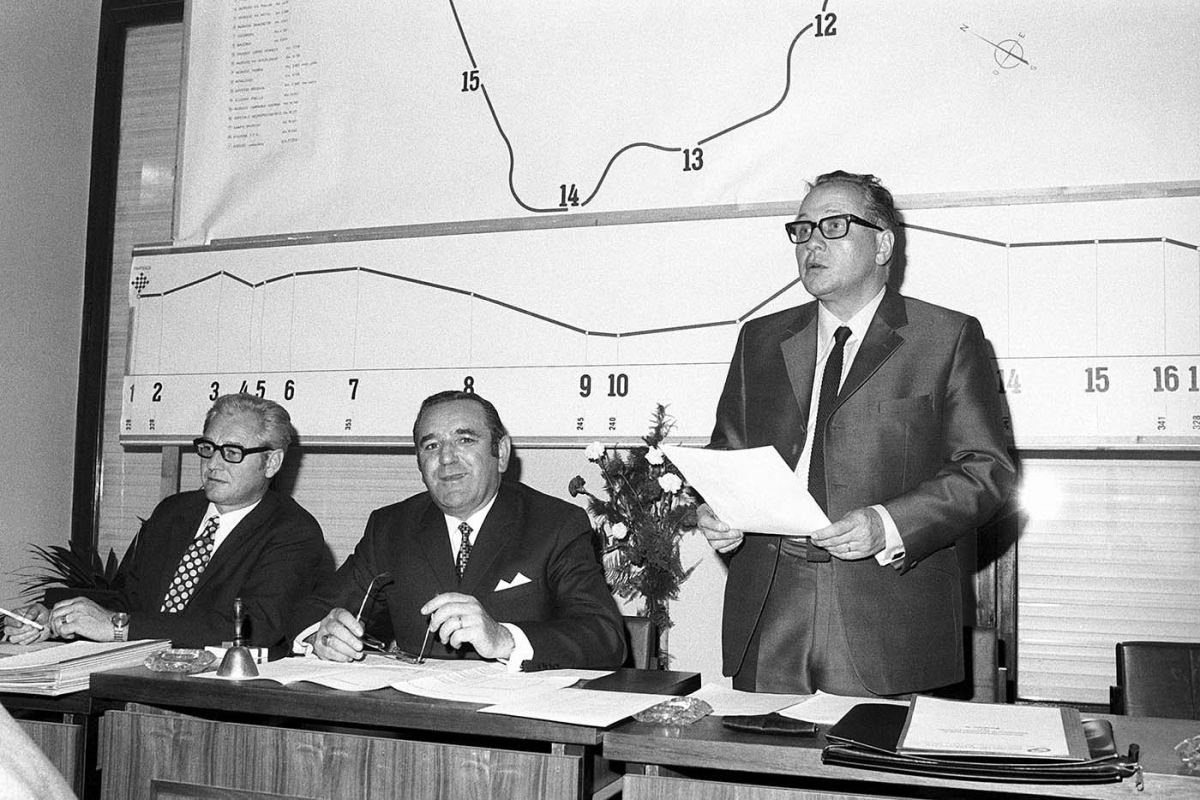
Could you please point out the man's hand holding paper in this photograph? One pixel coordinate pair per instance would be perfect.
(857, 535)
(747, 490)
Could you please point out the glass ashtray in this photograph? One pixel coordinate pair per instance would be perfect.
(676, 711)
(1189, 753)
(184, 661)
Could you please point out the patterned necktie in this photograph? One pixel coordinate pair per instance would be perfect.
(190, 566)
(464, 548)
(831, 380)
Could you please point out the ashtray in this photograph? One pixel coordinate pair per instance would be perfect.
(1189, 752)
(676, 711)
(184, 661)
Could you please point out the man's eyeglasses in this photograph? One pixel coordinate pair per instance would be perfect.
(232, 453)
(833, 227)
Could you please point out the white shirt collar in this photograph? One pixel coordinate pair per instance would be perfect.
(827, 323)
(226, 522)
(475, 521)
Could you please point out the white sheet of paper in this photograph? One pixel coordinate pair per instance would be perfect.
(578, 706)
(373, 672)
(485, 685)
(952, 727)
(751, 490)
(728, 702)
(827, 709)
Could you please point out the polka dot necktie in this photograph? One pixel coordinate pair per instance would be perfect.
(464, 548)
(193, 563)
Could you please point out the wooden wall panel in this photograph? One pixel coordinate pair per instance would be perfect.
(61, 743)
(138, 748)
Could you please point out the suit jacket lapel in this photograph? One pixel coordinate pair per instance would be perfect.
(498, 528)
(180, 533)
(799, 349)
(240, 537)
(877, 346)
(434, 543)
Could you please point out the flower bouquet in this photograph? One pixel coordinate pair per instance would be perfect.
(645, 508)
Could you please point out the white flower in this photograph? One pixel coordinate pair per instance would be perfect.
(618, 531)
(655, 456)
(594, 452)
(670, 483)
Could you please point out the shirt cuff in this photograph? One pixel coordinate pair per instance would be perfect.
(301, 647)
(893, 546)
(522, 649)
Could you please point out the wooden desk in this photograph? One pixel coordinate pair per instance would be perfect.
(708, 761)
(65, 730)
(169, 736)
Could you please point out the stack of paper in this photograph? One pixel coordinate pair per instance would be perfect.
(938, 727)
(68, 667)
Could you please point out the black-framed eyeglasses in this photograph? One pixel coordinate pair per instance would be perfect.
(832, 227)
(232, 453)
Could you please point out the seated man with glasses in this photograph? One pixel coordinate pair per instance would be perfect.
(201, 549)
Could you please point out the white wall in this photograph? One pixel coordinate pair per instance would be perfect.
(47, 88)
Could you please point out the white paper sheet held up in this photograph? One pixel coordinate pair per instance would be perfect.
(751, 490)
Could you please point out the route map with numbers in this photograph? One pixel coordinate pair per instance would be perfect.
(302, 117)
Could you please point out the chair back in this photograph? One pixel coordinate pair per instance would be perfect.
(1157, 679)
(642, 643)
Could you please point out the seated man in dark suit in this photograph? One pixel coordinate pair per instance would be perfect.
(199, 550)
(477, 567)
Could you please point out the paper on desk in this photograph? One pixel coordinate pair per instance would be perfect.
(373, 672)
(578, 706)
(444, 679)
(954, 727)
(487, 683)
(751, 490)
(826, 709)
(726, 702)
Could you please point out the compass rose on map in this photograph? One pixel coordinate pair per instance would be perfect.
(1007, 53)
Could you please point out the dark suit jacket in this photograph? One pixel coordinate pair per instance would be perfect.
(565, 609)
(272, 559)
(917, 428)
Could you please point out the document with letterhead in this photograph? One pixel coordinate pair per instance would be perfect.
(938, 727)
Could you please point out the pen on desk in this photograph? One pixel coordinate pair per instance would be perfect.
(4, 612)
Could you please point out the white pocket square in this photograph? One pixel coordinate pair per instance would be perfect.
(519, 580)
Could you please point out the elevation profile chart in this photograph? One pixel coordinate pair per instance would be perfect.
(574, 334)
(1091, 309)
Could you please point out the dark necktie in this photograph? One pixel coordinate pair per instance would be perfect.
(464, 548)
(831, 379)
(187, 574)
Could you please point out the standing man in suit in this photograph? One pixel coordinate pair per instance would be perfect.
(489, 569)
(888, 408)
(199, 550)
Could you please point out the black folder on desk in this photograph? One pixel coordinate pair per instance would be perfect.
(868, 735)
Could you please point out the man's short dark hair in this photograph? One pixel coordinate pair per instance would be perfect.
(490, 414)
(879, 202)
(274, 423)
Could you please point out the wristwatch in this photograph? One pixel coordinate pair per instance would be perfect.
(120, 623)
